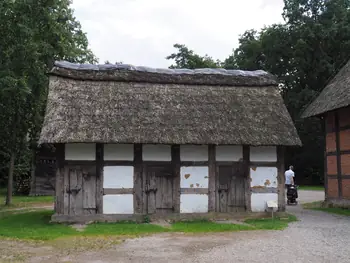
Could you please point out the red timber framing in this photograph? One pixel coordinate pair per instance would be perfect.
(337, 156)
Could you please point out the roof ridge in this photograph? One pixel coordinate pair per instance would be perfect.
(129, 73)
(108, 67)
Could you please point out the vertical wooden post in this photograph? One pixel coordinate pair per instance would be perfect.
(175, 160)
(246, 167)
(138, 184)
(217, 184)
(325, 173)
(337, 140)
(144, 187)
(151, 195)
(59, 188)
(281, 179)
(212, 179)
(99, 178)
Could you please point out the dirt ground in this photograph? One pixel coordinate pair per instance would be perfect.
(316, 237)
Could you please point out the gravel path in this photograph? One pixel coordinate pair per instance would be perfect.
(317, 237)
(310, 196)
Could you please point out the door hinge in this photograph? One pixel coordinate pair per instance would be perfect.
(150, 189)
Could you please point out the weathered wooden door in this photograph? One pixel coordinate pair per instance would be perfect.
(159, 189)
(231, 188)
(80, 190)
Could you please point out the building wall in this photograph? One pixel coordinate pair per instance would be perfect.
(194, 177)
(118, 177)
(337, 155)
(264, 180)
(128, 180)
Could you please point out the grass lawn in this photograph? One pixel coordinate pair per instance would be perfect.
(311, 187)
(333, 210)
(202, 226)
(123, 229)
(35, 226)
(272, 224)
(24, 201)
(32, 225)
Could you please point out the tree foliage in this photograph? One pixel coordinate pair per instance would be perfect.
(186, 58)
(34, 35)
(304, 52)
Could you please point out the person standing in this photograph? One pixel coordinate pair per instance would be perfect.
(289, 175)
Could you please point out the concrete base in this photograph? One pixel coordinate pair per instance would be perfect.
(336, 202)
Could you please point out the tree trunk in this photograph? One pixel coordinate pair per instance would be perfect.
(12, 158)
(10, 179)
(32, 174)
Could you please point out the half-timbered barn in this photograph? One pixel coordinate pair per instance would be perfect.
(333, 107)
(134, 141)
(43, 178)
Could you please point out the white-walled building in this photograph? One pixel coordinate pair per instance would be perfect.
(134, 141)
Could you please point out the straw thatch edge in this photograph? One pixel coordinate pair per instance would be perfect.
(128, 73)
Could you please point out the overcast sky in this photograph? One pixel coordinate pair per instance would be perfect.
(142, 32)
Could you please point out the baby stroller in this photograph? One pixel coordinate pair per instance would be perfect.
(292, 195)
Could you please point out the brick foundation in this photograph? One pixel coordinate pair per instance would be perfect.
(332, 165)
(332, 189)
(346, 188)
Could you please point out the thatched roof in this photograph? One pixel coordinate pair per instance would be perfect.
(129, 73)
(125, 105)
(334, 96)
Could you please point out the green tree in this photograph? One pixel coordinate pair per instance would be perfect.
(116, 63)
(304, 52)
(34, 35)
(186, 58)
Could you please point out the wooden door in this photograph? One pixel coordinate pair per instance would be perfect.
(231, 188)
(159, 189)
(80, 190)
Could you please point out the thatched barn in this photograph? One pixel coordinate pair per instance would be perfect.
(43, 178)
(134, 141)
(333, 107)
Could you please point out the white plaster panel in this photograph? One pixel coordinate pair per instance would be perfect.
(118, 152)
(194, 177)
(118, 177)
(263, 154)
(194, 203)
(194, 153)
(80, 151)
(263, 176)
(156, 152)
(229, 153)
(118, 204)
(258, 201)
